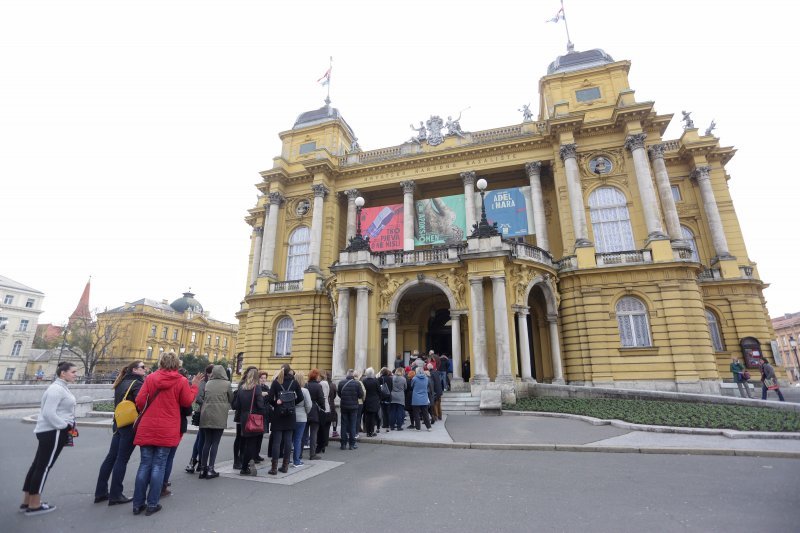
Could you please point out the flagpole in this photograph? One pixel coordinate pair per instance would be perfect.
(570, 46)
(330, 66)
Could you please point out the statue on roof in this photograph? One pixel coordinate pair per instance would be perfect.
(454, 126)
(527, 114)
(435, 125)
(688, 123)
(354, 147)
(422, 133)
(711, 128)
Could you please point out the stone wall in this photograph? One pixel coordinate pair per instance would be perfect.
(24, 395)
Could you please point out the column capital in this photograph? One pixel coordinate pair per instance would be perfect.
(391, 317)
(656, 151)
(351, 194)
(276, 198)
(568, 151)
(259, 230)
(476, 281)
(408, 186)
(552, 318)
(701, 173)
(320, 190)
(635, 141)
(533, 168)
(468, 178)
(498, 278)
(343, 290)
(456, 315)
(521, 309)
(362, 288)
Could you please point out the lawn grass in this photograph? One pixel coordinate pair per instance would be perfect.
(666, 413)
(105, 407)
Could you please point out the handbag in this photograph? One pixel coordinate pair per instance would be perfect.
(386, 394)
(745, 376)
(125, 412)
(770, 384)
(255, 421)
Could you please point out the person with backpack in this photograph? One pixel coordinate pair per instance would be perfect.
(420, 401)
(397, 401)
(283, 395)
(350, 392)
(126, 387)
(317, 414)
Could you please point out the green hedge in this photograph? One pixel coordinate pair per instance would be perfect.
(106, 407)
(666, 413)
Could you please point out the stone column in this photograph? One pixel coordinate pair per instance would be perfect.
(362, 325)
(469, 198)
(258, 234)
(408, 214)
(568, 154)
(341, 340)
(652, 214)
(391, 349)
(555, 349)
(268, 254)
(477, 322)
(501, 331)
(524, 347)
(455, 336)
(701, 175)
(320, 192)
(665, 192)
(352, 194)
(534, 170)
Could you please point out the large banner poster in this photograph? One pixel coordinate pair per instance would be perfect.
(510, 208)
(440, 221)
(384, 227)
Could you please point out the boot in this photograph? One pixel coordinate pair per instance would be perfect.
(203, 473)
(212, 473)
(192, 466)
(274, 470)
(285, 466)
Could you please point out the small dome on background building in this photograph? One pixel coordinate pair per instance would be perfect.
(579, 61)
(317, 116)
(187, 301)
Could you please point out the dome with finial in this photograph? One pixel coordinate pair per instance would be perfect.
(187, 301)
(317, 116)
(579, 61)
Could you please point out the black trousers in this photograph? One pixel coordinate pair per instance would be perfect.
(250, 446)
(208, 457)
(418, 410)
(385, 415)
(323, 435)
(281, 444)
(370, 421)
(50, 445)
(237, 444)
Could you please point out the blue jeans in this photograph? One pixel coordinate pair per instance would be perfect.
(168, 466)
(297, 440)
(151, 473)
(115, 464)
(764, 390)
(198, 446)
(397, 415)
(349, 422)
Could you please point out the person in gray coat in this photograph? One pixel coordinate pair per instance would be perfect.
(216, 400)
(398, 400)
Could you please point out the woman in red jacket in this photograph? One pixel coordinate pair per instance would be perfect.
(158, 428)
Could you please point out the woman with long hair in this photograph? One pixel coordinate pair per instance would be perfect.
(317, 413)
(158, 428)
(56, 418)
(216, 400)
(197, 448)
(263, 384)
(301, 412)
(329, 392)
(237, 440)
(250, 393)
(284, 417)
(126, 387)
(397, 407)
(333, 414)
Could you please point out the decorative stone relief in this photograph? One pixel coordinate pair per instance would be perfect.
(386, 289)
(298, 208)
(609, 162)
(454, 279)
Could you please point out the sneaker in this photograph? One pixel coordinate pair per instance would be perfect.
(306, 447)
(43, 508)
(23, 507)
(298, 464)
(430, 429)
(152, 510)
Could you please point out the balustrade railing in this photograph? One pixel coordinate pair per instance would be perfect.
(437, 254)
(286, 286)
(569, 262)
(709, 274)
(746, 271)
(624, 258)
(683, 254)
(527, 251)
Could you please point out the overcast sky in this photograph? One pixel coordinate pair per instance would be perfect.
(132, 132)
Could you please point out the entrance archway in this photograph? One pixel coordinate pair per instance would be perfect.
(540, 315)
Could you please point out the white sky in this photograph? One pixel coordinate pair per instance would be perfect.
(132, 132)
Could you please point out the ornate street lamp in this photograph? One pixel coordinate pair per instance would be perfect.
(358, 242)
(483, 228)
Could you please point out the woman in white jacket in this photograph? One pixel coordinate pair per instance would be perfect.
(56, 418)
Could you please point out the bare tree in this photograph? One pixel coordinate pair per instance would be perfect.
(88, 343)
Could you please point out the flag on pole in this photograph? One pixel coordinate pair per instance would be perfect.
(326, 78)
(559, 15)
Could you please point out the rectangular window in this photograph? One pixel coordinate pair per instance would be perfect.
(149, 352)
(308, 147)
(175, 335)
(208, 341)
(8, 300)
(29, 303)
(23, 325)
(586, 95)
(225, 342)
(153, 330)
(10, 373)
(676, 193)
(164, 332)
(194, 337)
(216, 341)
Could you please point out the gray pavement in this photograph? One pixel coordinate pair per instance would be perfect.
(393, 488)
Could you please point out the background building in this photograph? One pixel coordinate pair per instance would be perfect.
(20, 307)
(619, 259)
(787, 330)
(145, 328)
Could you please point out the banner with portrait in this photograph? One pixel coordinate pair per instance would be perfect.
(440, 221)
(384, 227)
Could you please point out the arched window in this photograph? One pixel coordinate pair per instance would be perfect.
(713, 329)
(299, 253)
(634, 330)
(611, 222)
(283, 337)
(17, 348)
(688, 236)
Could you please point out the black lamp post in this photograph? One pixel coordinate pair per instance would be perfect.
(358, 242)
(483, 228)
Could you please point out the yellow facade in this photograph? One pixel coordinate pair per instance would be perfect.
(565, 292)
(146, 328)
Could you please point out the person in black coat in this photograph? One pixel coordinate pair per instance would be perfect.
(436, 377)
(126, 386)
(349, 394)
(317, 414)
(385, 378)
(283, 418)
(249, 393)
(372, 401)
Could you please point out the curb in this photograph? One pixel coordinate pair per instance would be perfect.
(729, 433)
(527, 447)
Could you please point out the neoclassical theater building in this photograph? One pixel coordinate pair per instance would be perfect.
(610, 256)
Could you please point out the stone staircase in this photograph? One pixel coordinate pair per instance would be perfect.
(460, 403)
